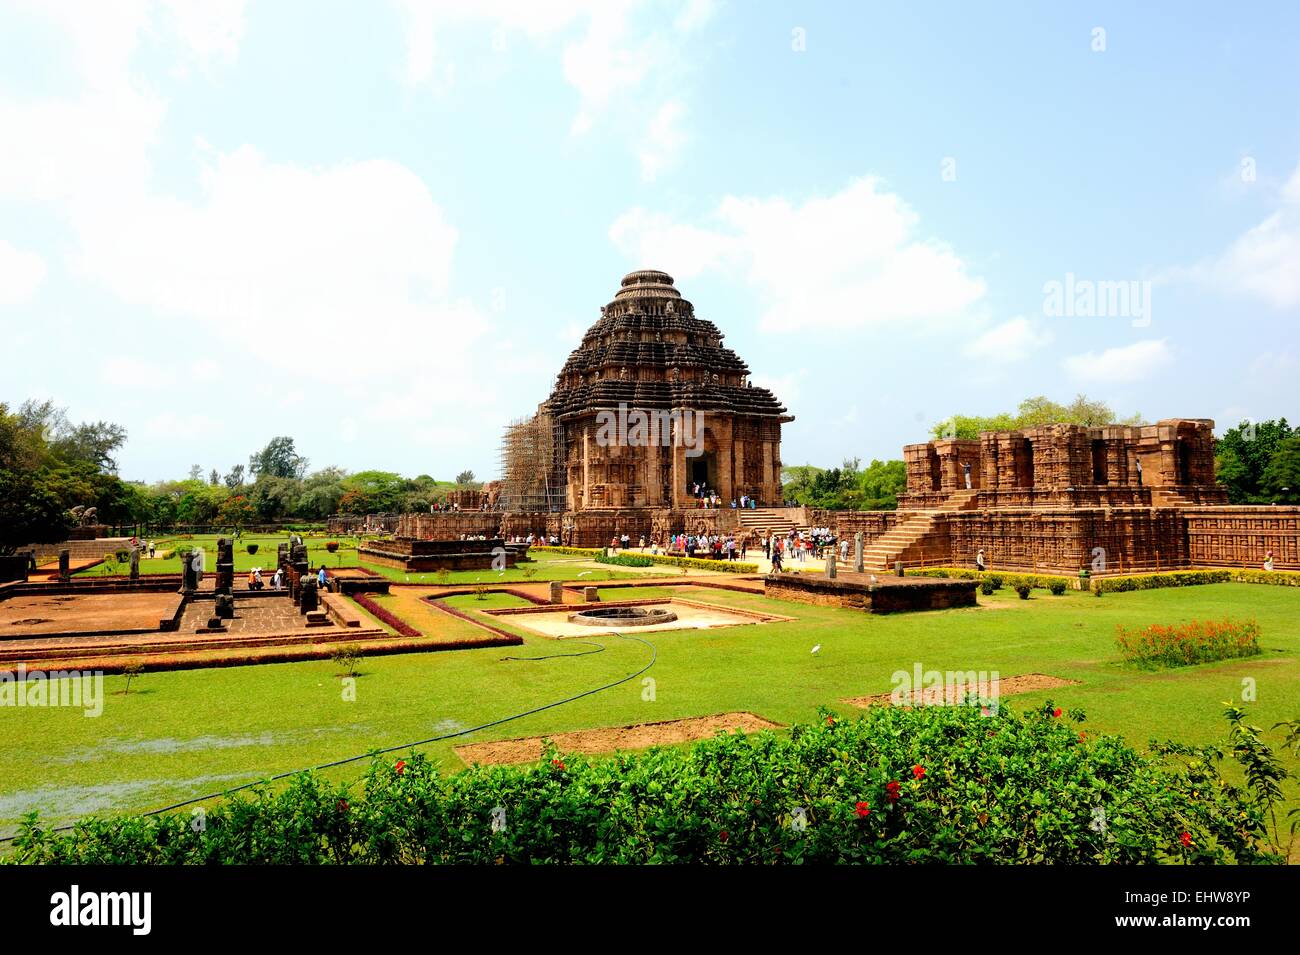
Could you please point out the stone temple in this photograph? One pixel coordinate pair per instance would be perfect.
(649, 406)
(652, 403)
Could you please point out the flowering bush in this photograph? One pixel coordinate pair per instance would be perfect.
(1200, 641)
(941, 784)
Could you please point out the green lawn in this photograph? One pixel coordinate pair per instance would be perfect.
(185, 733)
(543, 567)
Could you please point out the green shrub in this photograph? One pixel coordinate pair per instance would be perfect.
(987, 588)
(937, 784)
(1023, 591)
(1201, 641)
(1174, 578)
(1057, 587)
(995, 580)
(626, 560)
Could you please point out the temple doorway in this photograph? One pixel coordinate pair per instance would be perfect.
(699, 469)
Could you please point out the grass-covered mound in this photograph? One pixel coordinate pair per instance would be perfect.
(937, 784)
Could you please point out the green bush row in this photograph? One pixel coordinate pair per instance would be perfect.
(938, 784)
(696, 562)
(998, 579)
(626, 560)
(1173, 578)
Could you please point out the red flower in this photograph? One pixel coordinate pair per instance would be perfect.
(918, 772)
(1186, 840)
(722, 836)
(400, 767)
(862, 810)
(893, 790)
(557, 763)
(342, 805)
(1056, 712)
(830, 721)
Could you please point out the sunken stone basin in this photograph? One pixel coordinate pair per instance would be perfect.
(622, 616)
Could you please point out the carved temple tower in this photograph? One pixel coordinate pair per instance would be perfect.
(652, 403)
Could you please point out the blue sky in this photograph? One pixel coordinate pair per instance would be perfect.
(380, 228)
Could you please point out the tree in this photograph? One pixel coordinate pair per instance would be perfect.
(278, 459)
(1281, 477)
(236, 477)
(214, 477)
(1242, 456)
(1032, 413)
(881, 484)
(196, 472)
(31, 512)
(236, 511)
(465, 477)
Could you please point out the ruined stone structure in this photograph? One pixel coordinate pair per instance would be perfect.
(1062, 498)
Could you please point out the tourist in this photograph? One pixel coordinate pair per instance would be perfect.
(642, 544)
(323, 579)
(277, 579)
(966, 472)
(979, 560)
(844, 550)
(1268, 561)
(152, 550)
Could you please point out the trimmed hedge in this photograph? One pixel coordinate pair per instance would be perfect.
(998, 578)
(1173, 578)
(735, 566)
(939, 784)
(626, 560)
(403, 628)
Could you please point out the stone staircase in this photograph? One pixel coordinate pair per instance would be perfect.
(774, 519)
(1170, 497)
(910, 532)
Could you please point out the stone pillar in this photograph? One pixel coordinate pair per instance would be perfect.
(830, 563)
(65, 565)
(135, 563)
(225, 566)
(679, 464)
(738, 457)
(589, 595)
(557, 592)
(586, 467)
(310, 598)
(857, 552)
(771, 492)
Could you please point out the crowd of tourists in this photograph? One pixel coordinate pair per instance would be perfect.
(708, 498)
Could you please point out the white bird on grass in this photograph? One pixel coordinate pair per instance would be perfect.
(816, 648)
(584, 573)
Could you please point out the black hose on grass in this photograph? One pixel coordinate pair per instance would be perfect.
(600, 648)
(654, 655)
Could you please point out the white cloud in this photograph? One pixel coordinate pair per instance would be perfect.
(608, 48)
(1127, 363)
(289, 260)
(851, 260)
(663, 141)
(21, 274)
(1013, 340)
(1264, 261)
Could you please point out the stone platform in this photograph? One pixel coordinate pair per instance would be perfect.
(873, 593)
(423, 556)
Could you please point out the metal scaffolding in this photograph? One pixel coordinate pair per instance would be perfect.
(533, 465)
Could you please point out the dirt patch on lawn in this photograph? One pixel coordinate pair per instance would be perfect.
(611, 738)
(948, 693)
